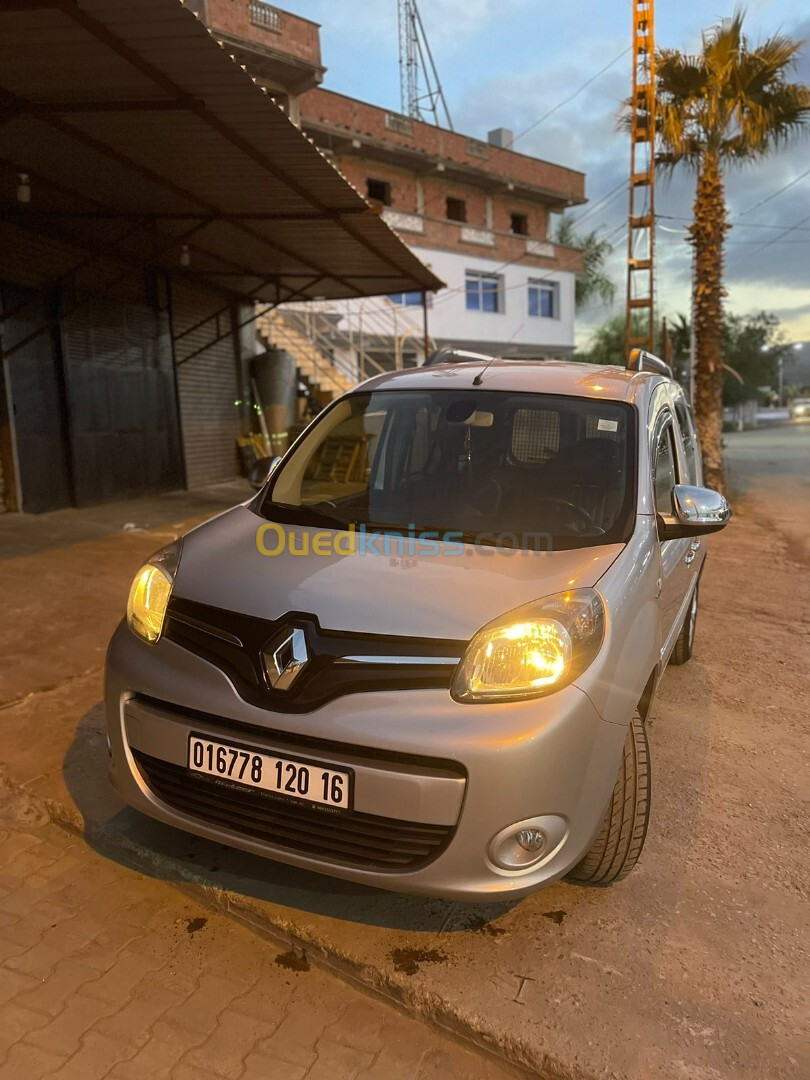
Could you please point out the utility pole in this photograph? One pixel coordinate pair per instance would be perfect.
(641, 231)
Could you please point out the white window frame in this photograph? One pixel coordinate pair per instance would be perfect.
(479, 276)
(540, 285)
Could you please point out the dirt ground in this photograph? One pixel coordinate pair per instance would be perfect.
(694, 968)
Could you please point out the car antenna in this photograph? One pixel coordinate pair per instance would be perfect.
(479, 378)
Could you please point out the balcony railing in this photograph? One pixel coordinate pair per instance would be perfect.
(261, 14)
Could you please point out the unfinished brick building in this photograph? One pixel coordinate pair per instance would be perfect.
(477, 212)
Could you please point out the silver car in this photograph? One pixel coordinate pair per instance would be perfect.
(422, 656)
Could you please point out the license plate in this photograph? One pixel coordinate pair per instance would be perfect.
(311, 781)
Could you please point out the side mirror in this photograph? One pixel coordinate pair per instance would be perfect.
(695, 510)
(259, 472)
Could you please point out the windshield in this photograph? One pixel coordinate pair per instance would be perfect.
(545, 471)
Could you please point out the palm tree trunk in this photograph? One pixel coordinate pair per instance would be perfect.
(707, 234)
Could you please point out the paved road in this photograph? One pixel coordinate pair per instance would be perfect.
(779, 452)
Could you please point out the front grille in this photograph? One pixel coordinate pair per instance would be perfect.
(362, 840)
(234, 642)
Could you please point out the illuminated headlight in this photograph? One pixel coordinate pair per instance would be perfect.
(532, 651)
(150, 592)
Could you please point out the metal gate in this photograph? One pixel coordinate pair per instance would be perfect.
(121, 402)
(34, 427)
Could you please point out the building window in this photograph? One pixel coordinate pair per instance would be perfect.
(456, 209)
(544, 299)
(379, 190)
(407, 299)
(264, 15)
(519, 224)
(484, 291)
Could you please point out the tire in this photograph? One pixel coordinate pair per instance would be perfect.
(617, 848)
(686, 639)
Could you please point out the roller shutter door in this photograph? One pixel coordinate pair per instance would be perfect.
(207, 386)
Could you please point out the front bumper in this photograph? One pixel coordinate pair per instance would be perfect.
(418, 757)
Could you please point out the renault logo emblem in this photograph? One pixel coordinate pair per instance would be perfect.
(284, 658)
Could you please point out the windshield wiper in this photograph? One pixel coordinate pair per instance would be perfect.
(310, 512)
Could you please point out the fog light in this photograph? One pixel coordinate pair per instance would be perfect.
(526, 843)
(531, 839)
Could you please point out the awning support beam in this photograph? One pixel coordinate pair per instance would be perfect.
(257, 314)
(54, 323)
(259, 215)
(128, 163)
(103, 34)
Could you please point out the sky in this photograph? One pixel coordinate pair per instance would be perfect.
(506, 63)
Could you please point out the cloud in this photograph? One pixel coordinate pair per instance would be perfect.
(767, 256)
(505, 64)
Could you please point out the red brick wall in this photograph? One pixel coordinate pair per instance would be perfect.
(296, 37)
(446, 235)
(326, 107)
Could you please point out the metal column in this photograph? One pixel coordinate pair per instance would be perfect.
(639, 325)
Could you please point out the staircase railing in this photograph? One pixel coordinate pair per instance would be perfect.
(373, 323)
(327, 373)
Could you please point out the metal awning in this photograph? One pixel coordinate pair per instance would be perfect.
(145, 144)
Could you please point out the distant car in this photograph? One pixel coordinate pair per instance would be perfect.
(422, 656)
(799, 408)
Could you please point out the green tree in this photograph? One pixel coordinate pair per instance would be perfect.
(754, 344)
(593, 281)
(606, 343)
(731, 103)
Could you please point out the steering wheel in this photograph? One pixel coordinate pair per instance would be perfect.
(583, 515)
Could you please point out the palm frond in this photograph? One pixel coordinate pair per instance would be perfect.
(732, 100)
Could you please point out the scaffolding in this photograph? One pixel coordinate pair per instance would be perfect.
(640, 318)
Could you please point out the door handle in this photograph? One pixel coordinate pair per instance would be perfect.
(689, 557)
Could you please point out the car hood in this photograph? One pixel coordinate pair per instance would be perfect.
(424, 595)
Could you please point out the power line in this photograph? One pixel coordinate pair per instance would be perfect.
(773, 195)
(550, 112)
(575, 94)
(736, 224)
(785, 232)
(600, 204)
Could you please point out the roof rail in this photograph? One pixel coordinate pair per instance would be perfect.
(640, 360)
(449, 355)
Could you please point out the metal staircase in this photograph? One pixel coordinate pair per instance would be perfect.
(315, 365)
(333, 342)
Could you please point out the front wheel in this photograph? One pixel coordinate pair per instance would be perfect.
(617, 848)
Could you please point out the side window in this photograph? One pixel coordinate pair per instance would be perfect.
(664, 475)
(689, 440)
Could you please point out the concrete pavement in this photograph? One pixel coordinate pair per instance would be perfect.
(690, 968)
(107, 974)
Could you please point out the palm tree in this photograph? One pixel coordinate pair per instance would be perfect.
(730, 104)
(593, 281)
